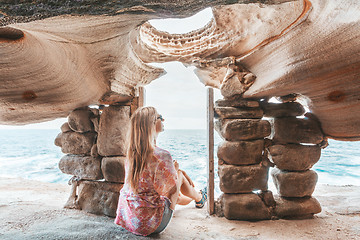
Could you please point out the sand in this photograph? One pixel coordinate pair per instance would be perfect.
(34, 210)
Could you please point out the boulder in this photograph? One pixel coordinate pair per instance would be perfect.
(113, 127)
(99, 198)
(83, 167)
(94, 151)
(95, 121)
(113, 169)
(296, 207)
(232, 112)
(58, 140)
(65, 127)
(297, 130)
(238, 103)
(294, 184)
(289, 109)
(241, 152)
(232, 85)
(77, 143)
(294, 157)
(243, 179)
(79, 120)
(245, 207)
(243, 129)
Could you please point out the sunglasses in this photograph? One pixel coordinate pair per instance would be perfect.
(160, 117)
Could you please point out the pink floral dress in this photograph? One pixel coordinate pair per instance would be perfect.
(142, 213)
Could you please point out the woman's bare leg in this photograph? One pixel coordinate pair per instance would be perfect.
(187, 189)
(183, 200)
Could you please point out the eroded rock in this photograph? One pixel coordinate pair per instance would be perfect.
(294, 184)
(238, 103)
(241, 152)
(65, 127)
(83, 167)
(79, 120)
(243, 129)
(113, 128)
(232, 112)
(243, 179)
(297, 130)
(289, 109)
(99, 198)
(296, 207)
(295, 157)
(245, 207)
(76, 143)
(113, 169)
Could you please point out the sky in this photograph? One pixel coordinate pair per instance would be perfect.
(178, 95)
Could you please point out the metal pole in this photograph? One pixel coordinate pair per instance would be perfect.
(210, 143)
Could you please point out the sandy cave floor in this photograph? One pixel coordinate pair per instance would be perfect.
(34, 210)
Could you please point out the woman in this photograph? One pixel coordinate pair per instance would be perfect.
(154, 184)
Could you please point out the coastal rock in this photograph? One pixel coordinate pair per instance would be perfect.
(243, 129)
(294, 157)
(58, 140)
(113, 128)
(238, 103)
(241, 152)
(236, 82)
(99, 198)
(232, 112)
(245, 207)
(65, 127)
(94, 151)
(79, 120)
(95, 121)
(296, 207)
(277, 110)
(113, 169)
(77, 143)
(243, 179)
(294, 184)
(83, 167)
(297, 130)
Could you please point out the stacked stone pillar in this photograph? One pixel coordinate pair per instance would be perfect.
(94, 140)
(295, 148)
(243, 168)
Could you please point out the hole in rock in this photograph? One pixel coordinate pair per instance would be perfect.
(183, 25)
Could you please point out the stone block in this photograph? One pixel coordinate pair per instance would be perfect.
(294, 157)
(94, 151)
(294, 184)
(289, 109)
(238, 103)
(243, 179)
(65, 127)
(241, 152)
(83, 167)
(243, 129)
(79, 120)
(113, 169)
(99, 198)
(296, 207)
(297, 130)
(113, 127)
(77, 143)
(245, 207)
(232, 112)
(58, 140)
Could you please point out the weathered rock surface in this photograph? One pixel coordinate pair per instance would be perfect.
(238, 103)
(242, 179)
(113, 169)
(241, 152)
(289, 109)
(243, 129)
(83, 167)
(235, 82)
(297, 130)
(294, 184)
(232, 112)
(94, 151)
(65, 127)
(113, 128)
(76, 143)
(79, 120)
(99, 198)
(245, 207)
(295, 157)
(296, 207)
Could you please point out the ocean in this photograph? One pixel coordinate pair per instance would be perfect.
(31, 154)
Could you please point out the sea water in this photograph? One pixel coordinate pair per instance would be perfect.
(31, 154)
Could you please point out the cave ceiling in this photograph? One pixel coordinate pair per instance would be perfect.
(56, 56)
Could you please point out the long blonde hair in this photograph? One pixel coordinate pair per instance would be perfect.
(141, 143)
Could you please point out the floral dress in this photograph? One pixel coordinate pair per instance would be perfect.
(142, 213)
